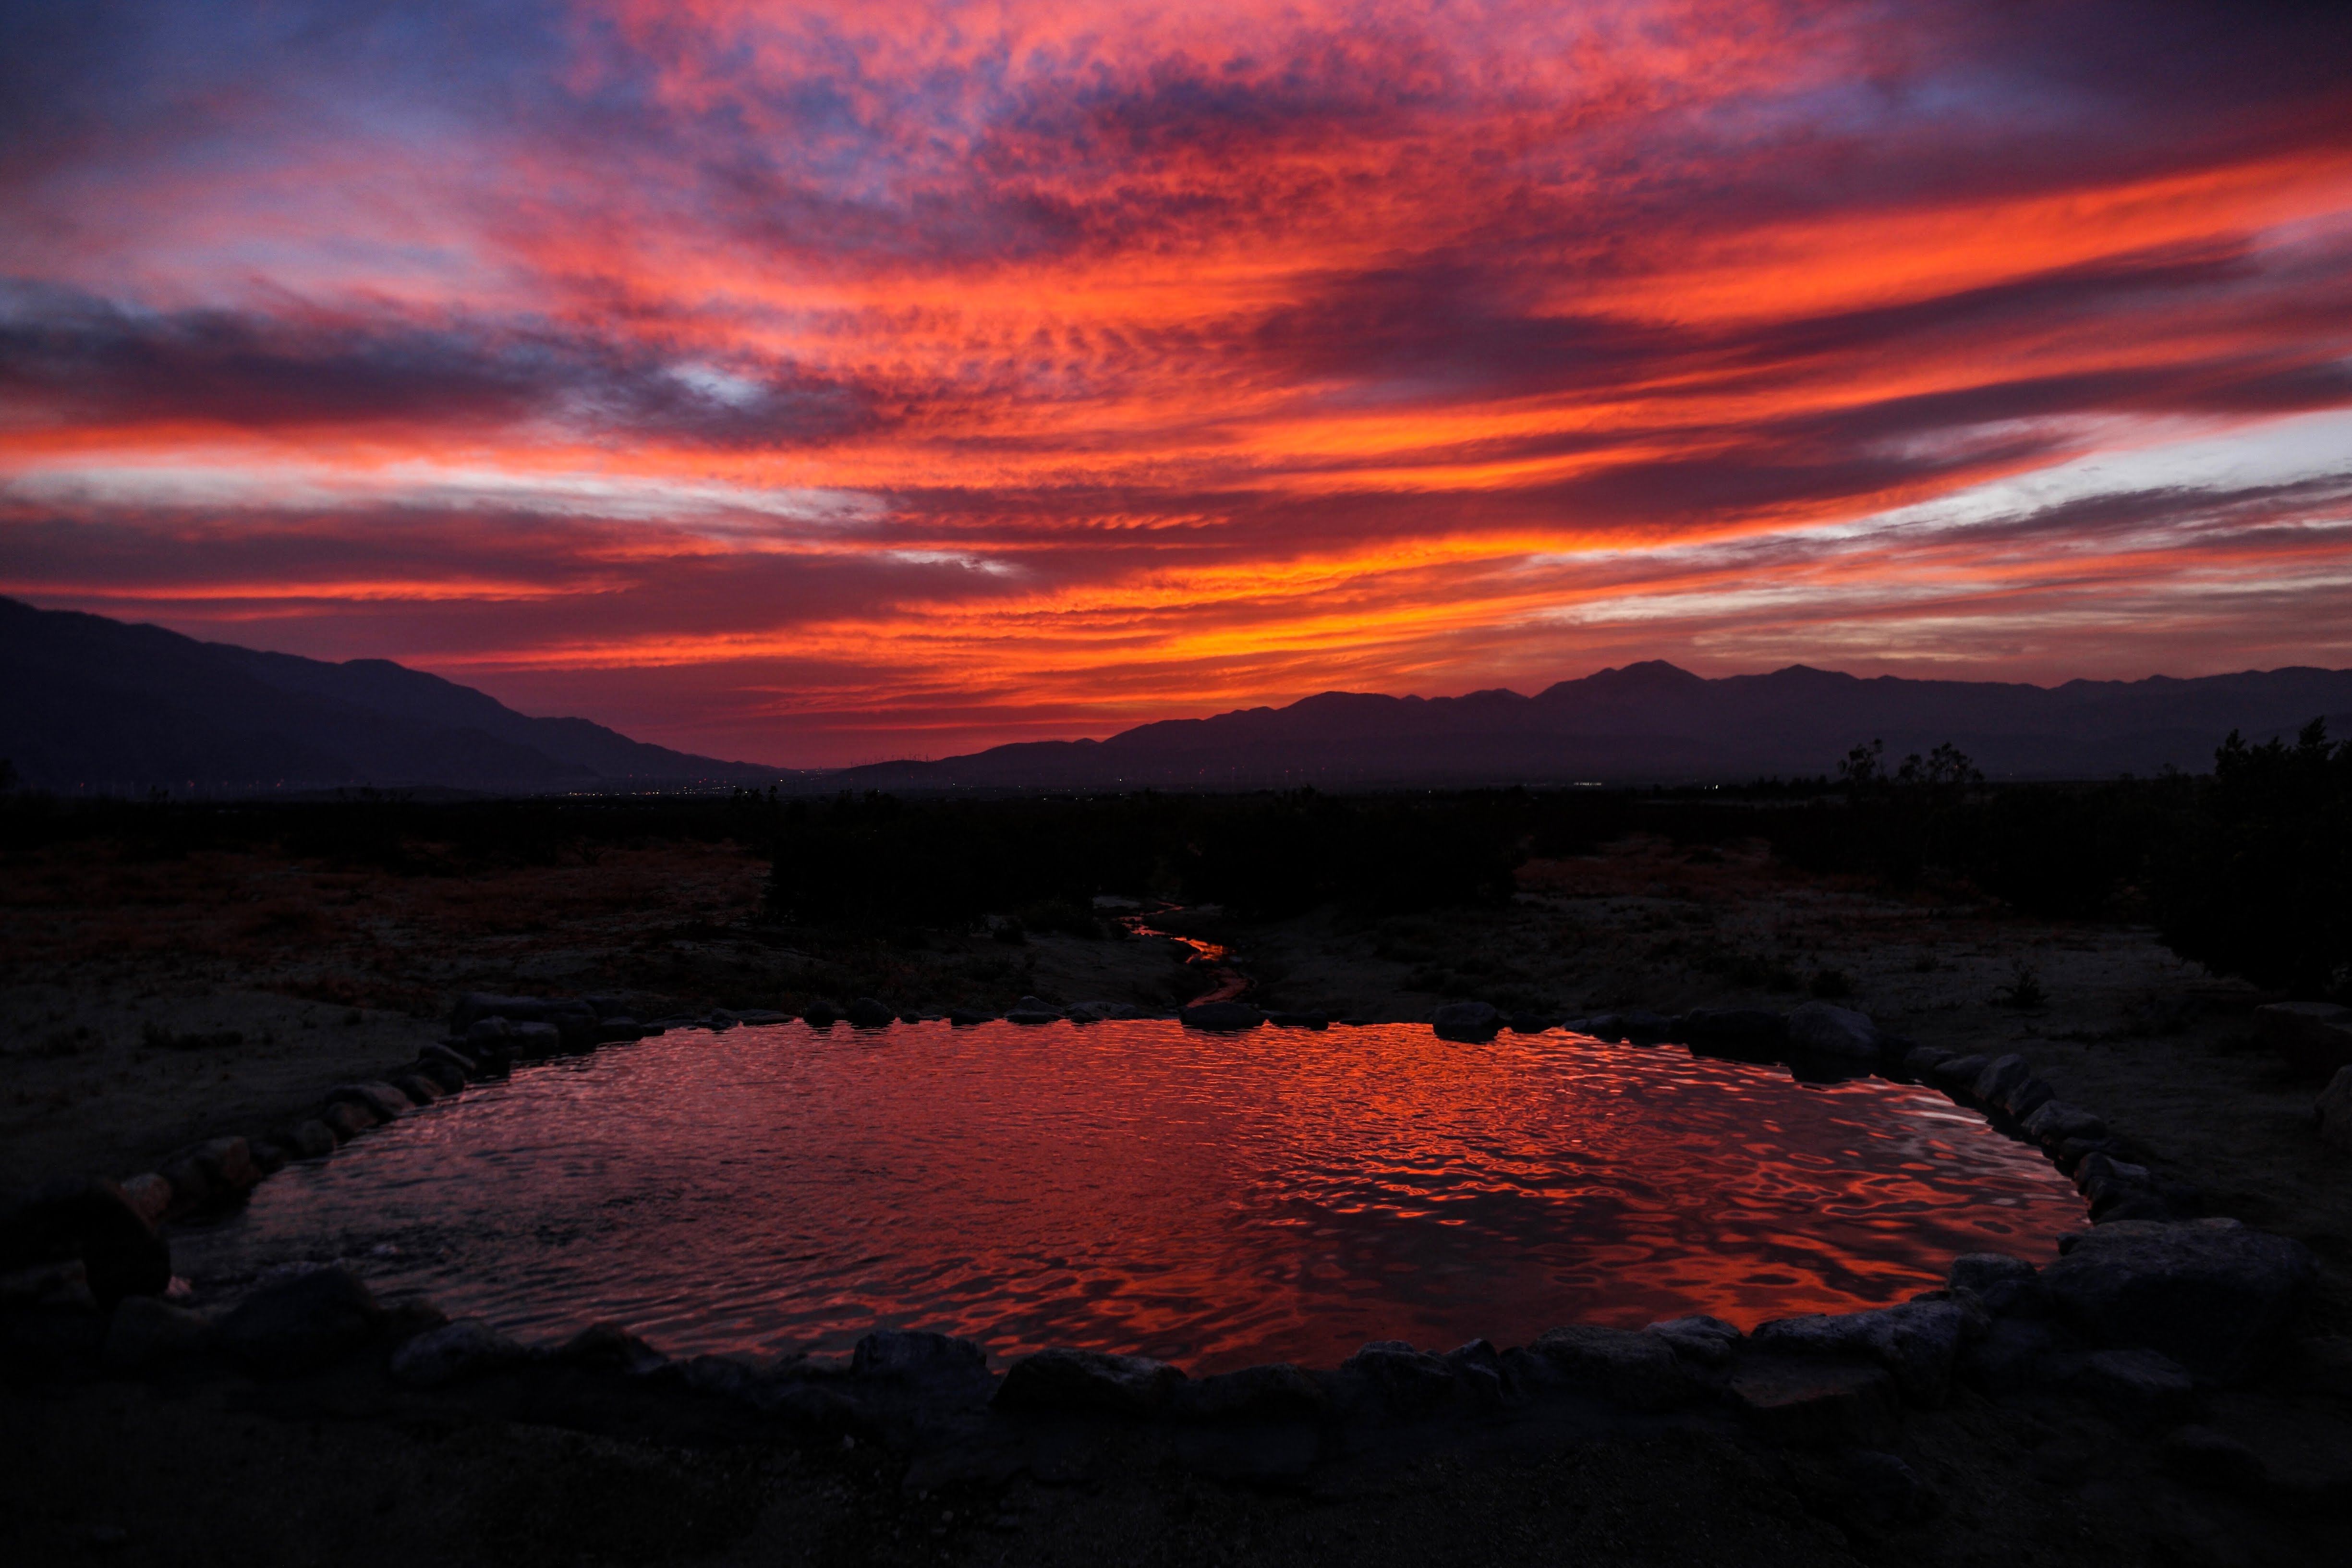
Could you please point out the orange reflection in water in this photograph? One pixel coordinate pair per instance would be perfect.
(1216, 1200)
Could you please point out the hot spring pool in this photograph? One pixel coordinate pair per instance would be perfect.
(1215, 1200)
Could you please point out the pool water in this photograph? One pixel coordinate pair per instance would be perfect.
(1216, 1200)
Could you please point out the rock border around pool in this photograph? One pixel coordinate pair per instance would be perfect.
(2147, 1312)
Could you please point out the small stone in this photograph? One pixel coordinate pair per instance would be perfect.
(1630, 1367)
(1300, 1020)
(145, 1333)
(466, 1348)
(1466, 1021)
(309, 1140)
(1061, 1379)
(1708, 1341)
(1407, 1379)
(1828, 1030)
(302, 1324)
(1222, 1016)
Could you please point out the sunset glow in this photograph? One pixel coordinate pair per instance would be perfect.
(812, 384)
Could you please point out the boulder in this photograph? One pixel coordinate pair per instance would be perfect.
(309, 1140)
(449, 1056)
(2054, 1122)
(1277, 1392)
(1958, 1073)
(270, 1155)
(448, 1080)
(1076, 1380)
(917, 1354)
(380, 1097)
(79, 1217)
(1922, 1060)
(61, 1286)
(1917, 1341)
(476, 1005)
(2002, 1282)
(2213, 1294)
(1407, 1379)
(820, 1015)
(612, 1030)
(964, 1017)
(487, 1035)
(2315, 1036)
(145, 1333)
(608, 1347)
(1709, 1342)
(347, 1119)
(1532, 1023)
(2020, 1101)
(2110, 1185)
(464, 1349)
(1222, 1016)
(1833, 1031)
(1629, 1367)
(1752, 1029)
(1466, 1021)
(1477, 1371)
(866, 1013)
(1036, 1015)
(2333, 1110)
(535, 1040)
(302, 1323)
(216, 1171)
(1817, 1403)
(2001, 1074)
(420, 1090)
(1300, 1020)
(150, 1197)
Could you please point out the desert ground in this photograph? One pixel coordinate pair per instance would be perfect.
(125, 977)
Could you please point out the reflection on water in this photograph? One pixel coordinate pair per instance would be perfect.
(1214, 1199)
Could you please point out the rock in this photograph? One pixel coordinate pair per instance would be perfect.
(1708, 1341)
(866, 1013)
(1300, 1020)
(1833, 1031)
(1477, 1371)
(1629, 1367)
(1999, 1076)
(1222, 1016)
(1918, 1342)
(420, 1090)
(2315, 1036)
(1065, 1380)
(1277, 1392)
(380, 1097)
(535, 1040)
(145, 1333)
(2110, 1184)
(1532, 1023)
(78, 1217)
(1466, 1021)
(2021, 1100)
(476, 1005)
(309, 1140)
(302, 1324)
(2013, 1354)
(2002, 1282)
(149, 1197)
(964, 1017)
(615, 1029)
(608, 1347)
(216, 1171)
(450, 1055)
(918, 1354)
(2141, 1383)
(2211, 1294)
(2204, 1457)
(347, 1119)
(1751, 1029)
(270, 1155)
(1407, 1379)
(2333, 1110)
(440, 1074)
(1921, 1061)
(1036, 1016)
(464, 1349)
(489, 1034)
(1817, 1404)
(1642, 1025)
(2054, 1122)
(1957, 1072)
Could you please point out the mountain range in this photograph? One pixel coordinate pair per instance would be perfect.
(96, 706)
(93, 705)
(1653, 722)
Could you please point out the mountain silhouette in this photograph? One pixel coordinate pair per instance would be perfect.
(1654, 723)
(93, 705)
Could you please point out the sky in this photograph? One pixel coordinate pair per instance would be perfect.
(817, 384)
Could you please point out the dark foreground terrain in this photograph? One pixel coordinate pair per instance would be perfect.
(131, 962)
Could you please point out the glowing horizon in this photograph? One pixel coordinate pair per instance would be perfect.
(815, 384)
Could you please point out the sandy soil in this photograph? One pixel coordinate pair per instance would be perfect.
(106, 963)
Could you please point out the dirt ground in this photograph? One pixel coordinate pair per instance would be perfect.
(120, 979)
